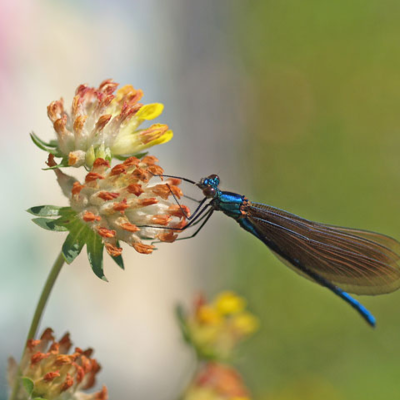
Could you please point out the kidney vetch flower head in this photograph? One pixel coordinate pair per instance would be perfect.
(126, 203)
(215, 381)
(215, 328)
(102, 124)
(49, 371)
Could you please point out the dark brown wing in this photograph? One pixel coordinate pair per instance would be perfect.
(357, 261)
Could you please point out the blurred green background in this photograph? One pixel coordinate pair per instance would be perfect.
(293, 103)
(323, 138)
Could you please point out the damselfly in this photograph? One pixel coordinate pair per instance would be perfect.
(340, 259)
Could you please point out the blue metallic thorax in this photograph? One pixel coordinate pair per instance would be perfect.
(229, 203)
(232, 205)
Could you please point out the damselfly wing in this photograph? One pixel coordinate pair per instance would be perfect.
(359, 262)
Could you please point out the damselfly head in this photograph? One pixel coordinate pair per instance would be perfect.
(209, 185)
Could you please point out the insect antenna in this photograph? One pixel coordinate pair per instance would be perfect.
(176, 177)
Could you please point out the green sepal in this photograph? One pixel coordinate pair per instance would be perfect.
(48, 147)
(45, 211)
(138, 155)
(119, 260)
(79, 235)
(120, 158)
(28, 385)
(201, 352)
(181, 317)
(49, 224)
(52, 143)
(141, 155)
(75, 241)
(108, 155)
(94, 247)
(67, 214)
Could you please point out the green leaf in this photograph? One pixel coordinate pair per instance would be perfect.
(50, 224)
(66, 214)
(180, 315)
(79, 235)
(119, 260)
(76, 239)
(28, 384)
(95, 247)
(45, 211)
(39, 398)
(121, 158)
(53, 143)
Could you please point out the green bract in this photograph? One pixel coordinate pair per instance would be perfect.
(65, 219)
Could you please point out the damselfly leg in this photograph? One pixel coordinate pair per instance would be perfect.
(196, 218)
(203, 219)
(200, 202)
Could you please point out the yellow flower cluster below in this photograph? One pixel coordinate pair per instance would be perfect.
(215, 381)
(217, 327)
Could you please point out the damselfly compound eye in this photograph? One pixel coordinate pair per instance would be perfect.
(209, 192)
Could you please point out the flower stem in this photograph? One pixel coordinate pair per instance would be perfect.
(51, 279)
(196, 369)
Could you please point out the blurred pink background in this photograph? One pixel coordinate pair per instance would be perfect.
(168, 49)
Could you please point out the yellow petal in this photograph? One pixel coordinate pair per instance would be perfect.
(166, 137)
(208, 315)
(156, 134)
(229, 303)
(245, 323)
(129, 144)
(150, 111)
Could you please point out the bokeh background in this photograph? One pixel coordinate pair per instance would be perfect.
(293, 103)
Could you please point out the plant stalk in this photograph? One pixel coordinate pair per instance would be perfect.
(51, 279)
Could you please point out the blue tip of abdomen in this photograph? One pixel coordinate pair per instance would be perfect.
(358, 307)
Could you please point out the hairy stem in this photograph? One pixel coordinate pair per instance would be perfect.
(51, 279)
